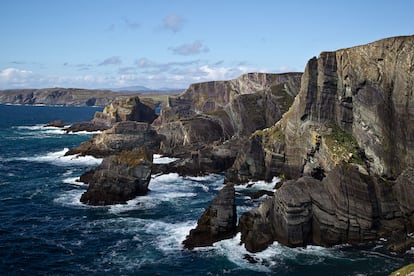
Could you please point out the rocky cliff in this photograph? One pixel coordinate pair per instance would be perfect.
(252, 101)
(58, 96)
(222, 112)
(119, 178)
(350, 134)
(126, 108)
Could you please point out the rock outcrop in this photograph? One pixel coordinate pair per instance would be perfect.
(121, 109)
(350, 135)
(208, 116)
(218, 222)
(125, 135)
(119, 178)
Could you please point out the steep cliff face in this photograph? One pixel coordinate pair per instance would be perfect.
(240, 106)
(350, 134)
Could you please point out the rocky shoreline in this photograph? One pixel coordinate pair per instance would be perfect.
(340, 135)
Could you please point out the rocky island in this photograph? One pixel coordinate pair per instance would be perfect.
(340, 135)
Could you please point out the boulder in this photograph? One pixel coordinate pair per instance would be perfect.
(119, 178)
(55, 123)
(218, 222)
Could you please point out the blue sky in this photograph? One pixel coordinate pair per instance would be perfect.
(172, 43)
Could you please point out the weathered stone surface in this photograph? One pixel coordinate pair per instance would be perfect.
(218, 222)
(125, 135)
(119, 178)
(364, 93)
(250, 102)
(121, 109)
(345, 207)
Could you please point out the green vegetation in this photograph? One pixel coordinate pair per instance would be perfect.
(343, 145)
(406, 270)
(279, 90)
(270, 136)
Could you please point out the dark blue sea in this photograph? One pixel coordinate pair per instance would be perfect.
(45, 230)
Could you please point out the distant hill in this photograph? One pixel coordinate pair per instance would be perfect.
(59, 96)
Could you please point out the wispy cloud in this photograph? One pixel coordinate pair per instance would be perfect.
(115, 60)
(131, 24)
(173, 23)
(194, 48)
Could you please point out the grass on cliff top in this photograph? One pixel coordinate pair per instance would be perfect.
(270, 136)
(343, 145)
(280, 91)
(406, 270)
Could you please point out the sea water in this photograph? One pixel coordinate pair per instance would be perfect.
(44, 229)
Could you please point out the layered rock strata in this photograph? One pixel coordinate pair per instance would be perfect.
(350, 132)
(218, 222)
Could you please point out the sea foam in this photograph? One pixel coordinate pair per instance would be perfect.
(58, 158)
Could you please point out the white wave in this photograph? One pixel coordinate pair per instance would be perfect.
(70, 198)
(59, 158)
(276, 255)
(170, 235)
(159, 159)
(84, 132)
(73, 181)
(259, 185)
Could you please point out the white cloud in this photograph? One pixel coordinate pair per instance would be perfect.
(111, 61)
(190, 49)
(11, 77)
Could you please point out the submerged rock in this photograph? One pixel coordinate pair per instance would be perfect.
(119, 178)
(218, 222)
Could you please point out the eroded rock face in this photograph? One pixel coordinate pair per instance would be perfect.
(218, 222)
(119, 178)
(125, 135)
(121, 109)
(345, 207)
(349, 135)
(240, 106)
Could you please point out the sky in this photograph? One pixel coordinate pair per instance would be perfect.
(173, 43)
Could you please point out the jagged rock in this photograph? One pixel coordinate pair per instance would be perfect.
(250, 102)
(345, 207)
(191, 133)
(218, 222)
(121, 109)
(122, 136)
(119, 178)
(55, 123)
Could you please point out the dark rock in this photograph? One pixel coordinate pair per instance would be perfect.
(119, 178)
(56, 123)
(218, 222)
(125, 135)
(346, 207)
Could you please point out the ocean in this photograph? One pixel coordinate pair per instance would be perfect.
(45, 230)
